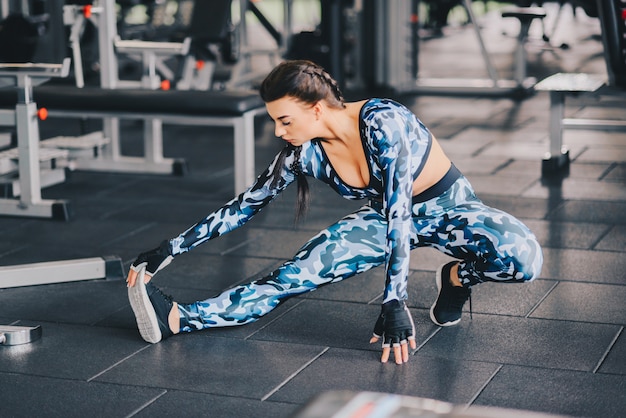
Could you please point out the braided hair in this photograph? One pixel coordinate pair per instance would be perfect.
(309, 83)
(303, 80)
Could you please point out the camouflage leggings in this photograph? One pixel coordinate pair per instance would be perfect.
(490, 244)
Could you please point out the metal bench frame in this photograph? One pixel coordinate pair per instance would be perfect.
(153, 161)
(561, 85)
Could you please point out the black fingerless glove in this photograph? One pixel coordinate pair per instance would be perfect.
(395, 324)
(153, 260)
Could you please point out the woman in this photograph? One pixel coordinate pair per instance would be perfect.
(373, 149)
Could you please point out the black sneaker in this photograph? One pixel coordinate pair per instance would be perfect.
(152, 308)
(448, 307)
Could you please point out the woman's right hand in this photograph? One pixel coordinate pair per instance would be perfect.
(152, 260)
(396, 329)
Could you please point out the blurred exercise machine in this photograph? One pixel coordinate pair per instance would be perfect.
(393, 58)
(393, 40)
(194, 104)
(28, 37)
(39, 21)
(332, 43)
(230, 108)
(220, 54)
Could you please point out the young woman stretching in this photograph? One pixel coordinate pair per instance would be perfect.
(375, 150)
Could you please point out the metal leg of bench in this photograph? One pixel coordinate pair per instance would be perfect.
(49, 177)
(521, 56)
(152, 162)
(153, 150)
(30, 203)
(557, 159)
(111, 128)
(32, 274)
(244, 151)
(111, 160)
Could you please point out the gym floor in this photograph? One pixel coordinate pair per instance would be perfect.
(553, 346)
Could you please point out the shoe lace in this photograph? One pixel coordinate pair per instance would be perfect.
(167, 297)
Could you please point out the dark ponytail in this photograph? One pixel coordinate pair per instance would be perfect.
(304, 196)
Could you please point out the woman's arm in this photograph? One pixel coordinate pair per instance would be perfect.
(395, 161)
(402, 143)
(230, 216)
(238, 211)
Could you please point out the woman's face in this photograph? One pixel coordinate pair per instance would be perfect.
(295, 121)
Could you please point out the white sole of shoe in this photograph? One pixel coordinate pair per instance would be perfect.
(438, 280)
(144, 311)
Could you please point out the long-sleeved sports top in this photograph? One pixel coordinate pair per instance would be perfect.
(396, 146)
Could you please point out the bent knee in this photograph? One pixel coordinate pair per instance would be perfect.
(528, 268)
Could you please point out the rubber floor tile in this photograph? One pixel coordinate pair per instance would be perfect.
(614, 362)
(576, 235)
(586, 302)
(83, 303)
(335, 324)
(579, 394)
(220, 366)
(524, 341)
(69, 351)
(423, 376)
(583, 266)
(590, 211)
(176, 403)
(36, 396)
(614, 240)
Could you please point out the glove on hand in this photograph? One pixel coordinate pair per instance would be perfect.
(395, 324)
(153, 260)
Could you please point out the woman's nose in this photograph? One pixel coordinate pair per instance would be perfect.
(279, 131)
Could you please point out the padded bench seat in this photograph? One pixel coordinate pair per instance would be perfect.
(231, 108)
(190, 102)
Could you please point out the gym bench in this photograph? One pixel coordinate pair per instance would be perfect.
(234, 108)
(612, 15)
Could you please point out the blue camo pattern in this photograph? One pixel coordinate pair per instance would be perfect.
(492, 246)
(396, 144)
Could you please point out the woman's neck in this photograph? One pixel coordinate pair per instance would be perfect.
(342, 124)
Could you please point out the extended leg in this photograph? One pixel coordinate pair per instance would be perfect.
(353, 245)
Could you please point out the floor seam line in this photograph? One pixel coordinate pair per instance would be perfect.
(608, 350)
(482, 388)
(116, 363)
(294, 374)
(145, 405)
(540, 301)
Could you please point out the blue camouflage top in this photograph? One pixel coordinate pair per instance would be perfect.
(396, 145)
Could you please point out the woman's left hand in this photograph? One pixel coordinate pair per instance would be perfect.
(152, 261)
(396, 328)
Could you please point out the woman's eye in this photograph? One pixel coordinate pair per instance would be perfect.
(286, 123)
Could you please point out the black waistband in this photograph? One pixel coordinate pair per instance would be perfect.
(438, 188)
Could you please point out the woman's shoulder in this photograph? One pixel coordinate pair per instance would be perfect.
(377, 105)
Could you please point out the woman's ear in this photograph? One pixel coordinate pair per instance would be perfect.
(318, 109)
